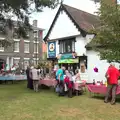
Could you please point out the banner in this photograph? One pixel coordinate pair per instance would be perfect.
(52, 49)
(68, 61)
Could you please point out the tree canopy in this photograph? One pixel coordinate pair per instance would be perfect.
(108, 34)
(21, 9)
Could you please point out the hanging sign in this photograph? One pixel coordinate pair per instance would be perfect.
(52, 49)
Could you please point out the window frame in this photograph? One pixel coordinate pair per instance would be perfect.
(28, 47)
(64, 43)
(35, 33)
(18, 47)
(2, 48)
(36, 43)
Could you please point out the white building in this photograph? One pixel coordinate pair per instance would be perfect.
(69, 34)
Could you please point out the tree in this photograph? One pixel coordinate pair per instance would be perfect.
(107, 39)
(21, 9)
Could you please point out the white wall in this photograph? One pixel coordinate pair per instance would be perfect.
(80, 46)
(102, 65)
(89, 37)
(63, 27)
(94, 61)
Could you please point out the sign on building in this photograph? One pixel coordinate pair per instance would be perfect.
(52, 49)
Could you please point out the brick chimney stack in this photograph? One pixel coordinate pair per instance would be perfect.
(35, 22)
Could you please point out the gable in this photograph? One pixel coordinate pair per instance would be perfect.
(63, 27)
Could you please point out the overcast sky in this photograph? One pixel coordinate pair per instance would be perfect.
(46, 17)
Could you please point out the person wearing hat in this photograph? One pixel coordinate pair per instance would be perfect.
(112, 76)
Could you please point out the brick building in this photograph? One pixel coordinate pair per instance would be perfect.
(23, 51)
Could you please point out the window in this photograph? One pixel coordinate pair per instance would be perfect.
(1, 48)
(16, 33)
(67, 46)
(35, 34)
(35, 61)
(16, 46)
(16, 62)
(26, 47)
(2, 29)
(1, 45)
(35, 47)
(26, 63)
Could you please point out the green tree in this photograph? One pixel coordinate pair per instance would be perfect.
(21, 9)
(107, 39)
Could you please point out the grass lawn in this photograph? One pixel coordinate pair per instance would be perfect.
(19, 103)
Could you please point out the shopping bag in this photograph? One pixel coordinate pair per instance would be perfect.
(57, 89)
(66, 89)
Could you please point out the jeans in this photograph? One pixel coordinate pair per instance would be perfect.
(111, 92)
(61, 86)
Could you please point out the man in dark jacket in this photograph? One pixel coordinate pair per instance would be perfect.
(29, 80)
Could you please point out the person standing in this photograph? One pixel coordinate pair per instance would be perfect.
(60, 78)
(69, 83)
(112, 76)
(35, 78)
(28, 77)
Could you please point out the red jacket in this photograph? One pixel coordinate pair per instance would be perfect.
(68, 82)
(113, 75)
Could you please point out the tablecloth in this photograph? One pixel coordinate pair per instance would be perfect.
(48, 82)
(13, 77)
(101, 89)
(77, 86)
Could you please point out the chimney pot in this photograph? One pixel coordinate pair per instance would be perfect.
(35, 23)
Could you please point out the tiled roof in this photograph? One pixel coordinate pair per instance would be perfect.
(85, 21)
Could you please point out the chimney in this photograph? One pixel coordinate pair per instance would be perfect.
(35, 23)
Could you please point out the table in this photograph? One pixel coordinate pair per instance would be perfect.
(48, 82)
(77, 86)
(100, 89)
(52, 82)
(13, 78)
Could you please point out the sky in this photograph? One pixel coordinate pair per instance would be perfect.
(46, 17)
